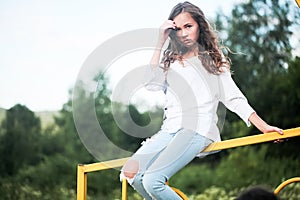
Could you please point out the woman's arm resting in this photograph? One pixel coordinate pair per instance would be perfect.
(262, 125)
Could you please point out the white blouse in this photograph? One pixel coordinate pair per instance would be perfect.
(193, 95)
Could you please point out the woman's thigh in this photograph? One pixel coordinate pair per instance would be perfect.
(149, 151)
(181, 150)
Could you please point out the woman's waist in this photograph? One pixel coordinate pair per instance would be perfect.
(189, 110)
(203, 126)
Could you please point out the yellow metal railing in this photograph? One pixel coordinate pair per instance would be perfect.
(285, 183)
(82, 169)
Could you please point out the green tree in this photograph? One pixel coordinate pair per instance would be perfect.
(267, 72)
(260, 31)
(285, 109)
(19, 142)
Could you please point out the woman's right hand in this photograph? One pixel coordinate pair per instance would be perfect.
(165, 30)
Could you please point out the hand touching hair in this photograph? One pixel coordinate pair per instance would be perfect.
(209, 53)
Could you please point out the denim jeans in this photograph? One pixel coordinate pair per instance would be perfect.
(160, 157)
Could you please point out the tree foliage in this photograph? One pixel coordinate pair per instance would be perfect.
(19, 142)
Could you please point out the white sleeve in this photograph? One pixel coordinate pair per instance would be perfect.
(155, 79)
(233, 98)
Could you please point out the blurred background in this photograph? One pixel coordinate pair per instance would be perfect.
(44, 44)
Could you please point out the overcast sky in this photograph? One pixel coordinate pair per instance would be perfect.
(43, 43)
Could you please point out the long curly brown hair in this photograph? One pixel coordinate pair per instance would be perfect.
(209, 52)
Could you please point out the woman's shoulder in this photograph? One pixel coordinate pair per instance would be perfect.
(224, 69)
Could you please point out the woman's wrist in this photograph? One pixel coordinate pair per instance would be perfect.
(259, 123)
(262, 125)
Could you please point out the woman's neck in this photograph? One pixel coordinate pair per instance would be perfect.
(191, 53)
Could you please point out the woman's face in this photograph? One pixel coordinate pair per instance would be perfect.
(187, 29)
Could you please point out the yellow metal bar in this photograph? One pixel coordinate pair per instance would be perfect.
(124, 189)
(180, 193)
(226, 144)
(285, 183)
(252, 139)
(104, 165)
(81, 183)
(231, 143)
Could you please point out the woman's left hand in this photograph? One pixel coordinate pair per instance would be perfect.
(262, 125)
(275, 129)
(269, 129)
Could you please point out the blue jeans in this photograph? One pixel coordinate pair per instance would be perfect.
(160, 157)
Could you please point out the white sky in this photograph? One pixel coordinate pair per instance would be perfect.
(43, 43)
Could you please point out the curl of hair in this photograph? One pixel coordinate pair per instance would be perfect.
(209, 52)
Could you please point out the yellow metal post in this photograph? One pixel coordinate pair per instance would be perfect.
(124, 189)
(81, 183)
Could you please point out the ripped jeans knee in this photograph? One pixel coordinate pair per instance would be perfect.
(144, 157)
(129, 171)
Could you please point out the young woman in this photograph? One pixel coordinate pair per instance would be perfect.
(195, 77)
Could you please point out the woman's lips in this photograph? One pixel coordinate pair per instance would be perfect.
(187, 41)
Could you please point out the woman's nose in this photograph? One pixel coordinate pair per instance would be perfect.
(184, 33)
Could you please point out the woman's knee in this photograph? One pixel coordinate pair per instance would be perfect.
(131, 168)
